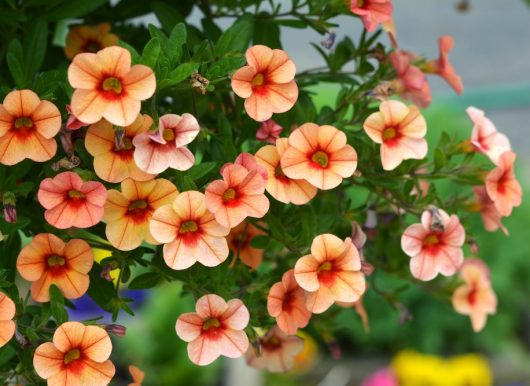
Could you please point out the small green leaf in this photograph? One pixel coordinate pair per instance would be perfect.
(57, 305)
(167, 15)
(151, 52)
(35, 44)
(440, 160)
(72, 9)
(225, 66)
(135, 56)
(179, 74)
(184, 183)
(15, 62)
(308, 223)
(177, 39)
(145, 280)
(237, 37)
(201, 170)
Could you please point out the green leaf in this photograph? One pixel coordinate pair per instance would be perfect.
(440, 160)
(226, 137)
(308, 223)
(72, 9)
(225, 66)
(184, 183)
(135, 56)
(201, 170)
(100, 290)
(267, 32)
(260, 241)
(57, 305)
(237, 37)
(15, 62)
(151, 52)
(145, 280)
(35, 44)
(166, 15)
(177, 39)
(179, 74)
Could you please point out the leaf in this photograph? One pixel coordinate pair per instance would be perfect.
(184, 183)
(440, 160)
(35, 44)
(57, 305)
(260, 241)
(267, 32)
(225, 66)
(72, 9)
(308, 223)
(226, 137)
(15, 62)
(145, 280)
(166, 15)
(151, 52)
(201, 170)
(179, 74)
(177, 39)
(135, 56)
(237, 37)
(100, 290)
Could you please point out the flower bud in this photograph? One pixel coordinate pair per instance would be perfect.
(115, 329)
(10, 209)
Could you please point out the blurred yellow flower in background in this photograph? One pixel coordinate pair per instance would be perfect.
(305, 360)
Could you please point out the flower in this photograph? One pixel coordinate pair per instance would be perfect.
(106, 86)
(77, 355)
(277, 351)
(154, 153)
(7, 313)
(250, 163)
(127, 213)
(434, 245)
(137, 376)
(27, 128)
(411, 83)
(189, 232)
(70, 202)
(113, 149)
(490, 215)
(267, 82)
(87, 38)
(286, 303)
(319, 155)
(239, 240)
(73, 123)
(48, 260)
(216, 328)
(400, 130)
(485, 138)
(372, 12)
(382, 377)
(443, 67)
(502, 186)
(239, 194)
(269, 131)
(332, 272)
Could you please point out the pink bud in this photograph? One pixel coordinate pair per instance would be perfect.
(269, 131)
(116, 329)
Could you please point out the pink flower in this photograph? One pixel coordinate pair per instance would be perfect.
(490, 215)
(411, 83)
(485, 138)
(73, 123)
(443, 67)
(383, 377)
(502, 186)
(372, 12)
(269, 131)
(250, 163)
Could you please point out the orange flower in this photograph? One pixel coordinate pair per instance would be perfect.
(485, 138)
(189, 232)
(502, 186)
(113, 150)
(127, 213)
(137, 376)
(239, 194)
(319, 155)
(27, 128)
(332, 272)
(106, 86)
(7, 313)
(77, 355)
(372, 12)
(411, 83)
(267, 82)
(87, 38)
(239, 240)
(70, 202)
(286, 303)
(400, 130)
(490, 215)
(443, 67)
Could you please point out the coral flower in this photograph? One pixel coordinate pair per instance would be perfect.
(319, 155)
(332, 272)
(400, 130)
(216, 328)
(77, 355)
(286, 303)
(239, 243)
(155, 152)
(435, 245)
(239, 194)
(113, 149)
(277, 351)
(127, 213)
(137, 376)
(485, 138)
(27, 128)
(72, 122)
(269, 131)
(70, 202)
(372, 12)
(502, 186)
(106, 86)
(250, 163)
(490, 215)
(411, 83)
(443, 67)
(7, 313)
(475, 297)
(87, 38)
(189, 232)
(267, 82)
(383, 377)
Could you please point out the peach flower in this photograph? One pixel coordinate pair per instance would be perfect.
(434, 245)
(216, 328)
(372, 12)
(27, 128)
(77, 355)
(443, 67)
(137, 376)
(189, 232)
(485, 138)
(106, 86)
(70, 202)
(319, 155)
(88, 38)
(267, 82)
(7, 313)
(250, 163)
(502, 186)
(400, 130)
(239, 240)
(331, 273)
(411, 83)
(490, 215)
(127, 213)
(72, 123)
(269, 131)
(48, 260)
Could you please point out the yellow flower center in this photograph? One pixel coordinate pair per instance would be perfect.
(229, 194)
(112, 84)
(258, 80)
(23, 122)
(325, 267)
(138, 204)
(76, 194)
(188, 226)
(209, 323)
(430, 240)
(389, 133)
(168, 135)
(320, 158)
(72, 356)
(55, 260)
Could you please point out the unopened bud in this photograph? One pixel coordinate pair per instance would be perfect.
(10, 209)
(367, 268)
(66, 141)
(105, 273)
(21, 339)
(116, 329)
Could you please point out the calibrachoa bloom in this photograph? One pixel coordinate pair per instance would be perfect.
(189, 232)
(87, 38)
(7, 313)
(372, 12)
(239, 240)
(106, 86)
(27, 128)
(411, 83)
(490, 215)
(216, 328)
(319, 155)
(70, 202)
(127, 213)
(286, 303)
(331, 273)
(48, 260)
(137, 376)
(434, 245)
(485, 138)
(502, 186)
(383, 377)
(250, 163)
(400, 130)
(266, 82)
(77, 355)
(443, 67)
(269, 131)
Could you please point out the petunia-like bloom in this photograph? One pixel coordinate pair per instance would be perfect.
(166, 148)
(106, 86)
(239, 240)
(331, 273)
(286, 303)
(77, 355)
(475, 297)
(239, 194)
(319, 155)
(72, 123)
(372, 12)
(250, 163)
(113, 149)
(443, 67)
(266, 82)
(127, 213)
(485, 138)
(490, 215)
(189, 232)
(48, 260)
(7, 313)
(383, 377)
(70, 202)
(277, 351)
(411, 83)
(87, 38)
(400, 130)
(27, 128)
(434, 245)
(269, 131)
(137, 376)
(216, 328)
(502, 186)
